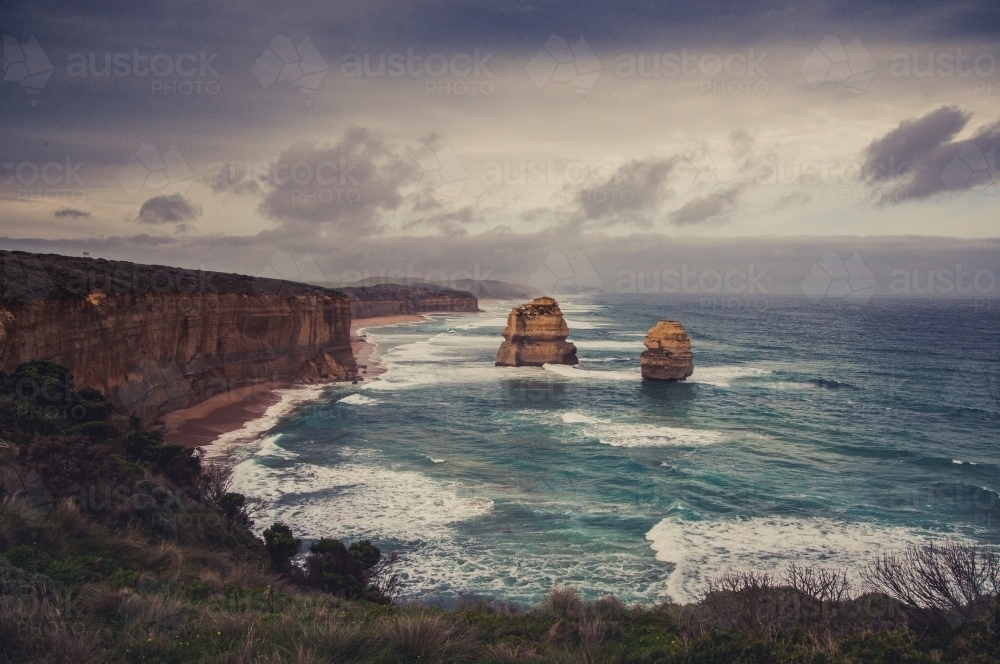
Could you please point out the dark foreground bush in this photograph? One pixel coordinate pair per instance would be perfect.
(355, 572)
(281, 545)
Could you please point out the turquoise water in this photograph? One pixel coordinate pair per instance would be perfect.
(815, 433)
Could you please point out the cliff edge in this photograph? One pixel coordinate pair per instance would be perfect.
(535, 335)
(668, 352)
(397, 300)
(156, 338)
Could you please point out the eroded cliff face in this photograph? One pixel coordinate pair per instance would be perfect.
(398, 300)
(155, 339)
(668, 356)
(535, 335)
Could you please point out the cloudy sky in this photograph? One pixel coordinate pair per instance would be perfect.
(329, 141)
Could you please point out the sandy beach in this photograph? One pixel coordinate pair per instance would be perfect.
(203, 423)
(364, 351)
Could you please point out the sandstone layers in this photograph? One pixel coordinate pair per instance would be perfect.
(156, 339)
(535, 335)
(668, 352)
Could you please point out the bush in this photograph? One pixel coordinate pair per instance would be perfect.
(68, 462)
(176, 462)
(331, 567)
(355, 572)
(951, 584)
(232, 505)
(98, 432)
(281, 545)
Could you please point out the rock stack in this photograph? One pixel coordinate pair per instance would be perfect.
(535, 335)
(668, 355)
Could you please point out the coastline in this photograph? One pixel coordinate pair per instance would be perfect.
(364, 350)
(204, 423)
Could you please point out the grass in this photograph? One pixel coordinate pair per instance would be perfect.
(146, 599)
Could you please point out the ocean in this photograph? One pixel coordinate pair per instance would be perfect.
(813, 433)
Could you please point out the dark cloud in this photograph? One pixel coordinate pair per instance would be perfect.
(902, 148)
(919, 158)
(168, 209)
(345, 186)
(797, 199)
(710, 208)
(632, 194)
(447, 222)
(70, 212)
(510, 23)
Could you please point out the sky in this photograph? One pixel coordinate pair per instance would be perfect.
(585, 144)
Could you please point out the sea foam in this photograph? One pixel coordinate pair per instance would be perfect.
(623, 434)
(243, 440)
(701, 550)
(584, 374)
(723, 376)
(358, 400)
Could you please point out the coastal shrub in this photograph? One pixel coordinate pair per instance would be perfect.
(240, 509)
(356, 572)
(940, 586)
(331, 567)
(98, 432)
(281, 545)
(175, 462)
(50, 391)
(67, 462)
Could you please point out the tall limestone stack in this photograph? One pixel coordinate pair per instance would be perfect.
(668, 355)
(535, 335)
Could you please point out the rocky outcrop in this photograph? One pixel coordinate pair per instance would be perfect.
(398, 300)
(535, 335)
(156, 339)
(668, 352)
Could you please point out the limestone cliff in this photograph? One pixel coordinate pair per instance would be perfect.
(535, 335)
(397, 299)
(668, 355)
(157, 338)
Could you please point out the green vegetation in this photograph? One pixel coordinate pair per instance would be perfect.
(115, 547)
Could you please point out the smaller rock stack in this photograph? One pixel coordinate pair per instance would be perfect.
(668, 355)
(535, 335)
